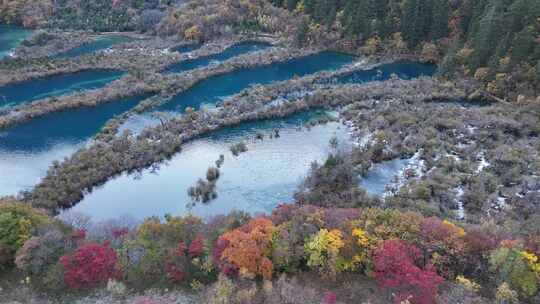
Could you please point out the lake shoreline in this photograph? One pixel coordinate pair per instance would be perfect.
(156, 144)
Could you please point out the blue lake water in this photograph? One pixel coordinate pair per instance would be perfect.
(403, 69)
(99, 44)
(10, 37)
(56, 85)
(213, 89)
(382, 174)
(255, 181)
(233, 51)
(28, 149)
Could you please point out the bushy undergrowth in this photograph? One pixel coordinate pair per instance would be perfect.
(18, 223)
(481, 158)
(409, 255)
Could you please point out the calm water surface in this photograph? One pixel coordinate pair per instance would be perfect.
(403, 69)
(99, 44)
(10, 37)
(233, 51)
(255, 181)
(28, 149)
(381, 175)
(56, 85)
(214, 89)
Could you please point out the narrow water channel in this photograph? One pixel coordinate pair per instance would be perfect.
(402, 69)
(233, 51)
(28, 149)
(56, 85)
(10, 37)
(213, 89)
(99, 44)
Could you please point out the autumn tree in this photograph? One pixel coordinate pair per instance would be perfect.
(516, 267)
(90, 265)
(247, 248)
(397, 267)
(18, 223)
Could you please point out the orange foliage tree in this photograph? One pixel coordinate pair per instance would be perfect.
(248, 248)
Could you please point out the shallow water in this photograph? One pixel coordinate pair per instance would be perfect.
(255, 181)
(402, 69)
(56, 85)
(266, 178)
(214, 89)
(10, 37)
(99, 44)
(28, 149)
(233, 51)
(381, 175)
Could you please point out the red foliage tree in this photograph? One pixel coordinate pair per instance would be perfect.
(446, 243)
(330, 298)
(90, 265)
(396, 268)
(196, 248)
(175, 272)
(175, 264)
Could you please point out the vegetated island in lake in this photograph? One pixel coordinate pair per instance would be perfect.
(433, 197)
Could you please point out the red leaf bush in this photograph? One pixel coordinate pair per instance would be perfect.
(175, 265)
(330, 298)
(196, 248)
(90, 265)
(396, 268)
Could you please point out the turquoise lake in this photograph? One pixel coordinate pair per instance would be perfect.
(260, 182)
(380, 175)
(10, 37)
(255, 181)
(213, 89)
(402, 69)
(56, 85)
(99, 44)
(28, 149)
(233, 51)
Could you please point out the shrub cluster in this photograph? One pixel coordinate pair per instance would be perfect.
(18, 223)
(407, 254)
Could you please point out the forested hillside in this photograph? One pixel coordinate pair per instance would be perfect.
(496, 41)
(98, 15)
(270, 151)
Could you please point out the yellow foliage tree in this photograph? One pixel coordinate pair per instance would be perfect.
(192, 33)
(323, 251)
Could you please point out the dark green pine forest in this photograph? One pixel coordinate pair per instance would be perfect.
(500, 37)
